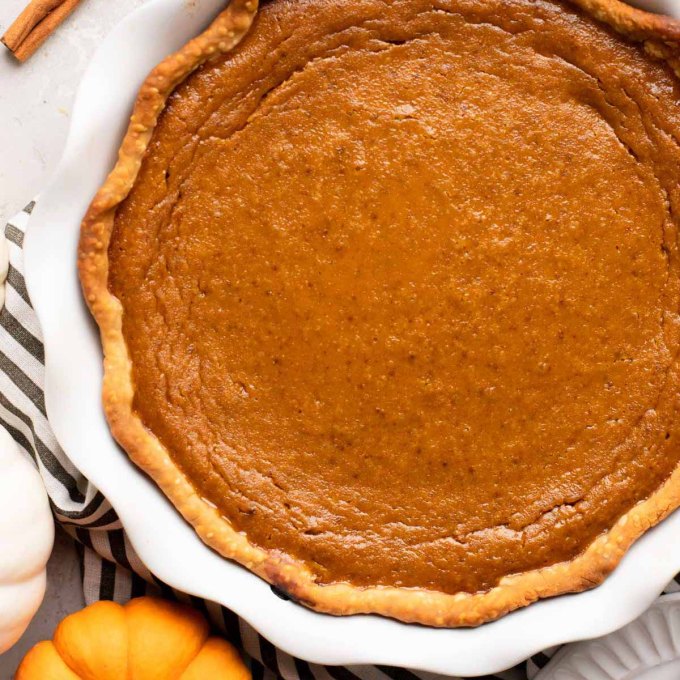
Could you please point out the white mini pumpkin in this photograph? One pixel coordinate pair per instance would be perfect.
(26, 538)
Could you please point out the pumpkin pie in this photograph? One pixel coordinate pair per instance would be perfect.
(388, 293)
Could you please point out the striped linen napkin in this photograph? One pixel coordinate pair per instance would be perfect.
(111, 570)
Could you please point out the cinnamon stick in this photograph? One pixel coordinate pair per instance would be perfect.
(35, 24)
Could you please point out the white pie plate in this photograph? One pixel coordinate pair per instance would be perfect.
(646, 649)
(168, 545)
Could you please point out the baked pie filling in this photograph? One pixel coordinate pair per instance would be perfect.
(399, 292)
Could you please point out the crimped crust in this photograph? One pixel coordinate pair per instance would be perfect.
(660, 36)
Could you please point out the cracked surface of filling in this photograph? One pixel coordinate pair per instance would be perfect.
(400, 285)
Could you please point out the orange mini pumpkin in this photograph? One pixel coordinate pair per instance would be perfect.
(145, 639)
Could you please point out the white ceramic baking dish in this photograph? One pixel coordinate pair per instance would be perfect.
(168, 545)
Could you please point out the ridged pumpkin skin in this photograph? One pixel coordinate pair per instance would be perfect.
(26, 537)
(145, 639)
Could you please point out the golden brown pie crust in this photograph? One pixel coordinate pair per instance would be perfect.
(660, 37)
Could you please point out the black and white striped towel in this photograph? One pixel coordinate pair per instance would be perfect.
(111, 569)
